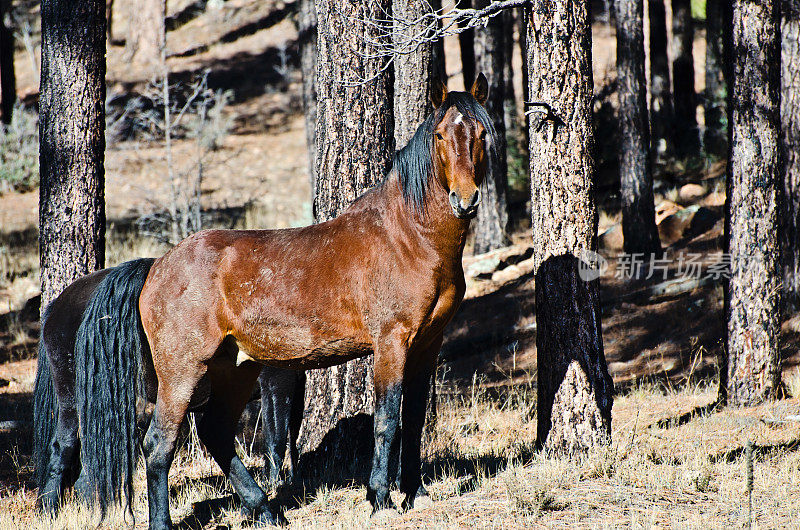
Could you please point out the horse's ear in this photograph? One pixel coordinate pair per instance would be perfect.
(480, 89)
(438, 92)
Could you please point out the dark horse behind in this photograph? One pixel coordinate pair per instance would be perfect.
(194, 328)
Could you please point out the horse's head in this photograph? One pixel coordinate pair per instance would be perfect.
(461, 145)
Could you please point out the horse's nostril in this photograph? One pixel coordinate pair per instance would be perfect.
(476, 197)
(453, 198)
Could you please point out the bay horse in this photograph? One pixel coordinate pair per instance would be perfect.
(384, 277)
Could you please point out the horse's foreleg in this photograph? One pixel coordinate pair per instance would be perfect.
(231, 388)
(388, 377)
(281, 412)
(159, 442)
(416, 386)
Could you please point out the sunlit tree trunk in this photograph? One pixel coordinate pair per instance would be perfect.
(636, 180)
(790, 144)
(752, 294)
(71, 151)
(491, 225)
(574, 387)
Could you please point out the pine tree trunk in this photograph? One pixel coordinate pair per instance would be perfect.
(466, 44)
(718, 19)
(491, 225)
(412, 72)
(790, 143)
(752, 206)
(147, 36)
(683, 76)
(574, 388)
(307, 42)
(72, 143)
(510, 103)
(662, 113)
(8, 79)
(636, 180)
(354, 140)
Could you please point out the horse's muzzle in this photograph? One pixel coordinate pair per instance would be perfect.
(465, 208)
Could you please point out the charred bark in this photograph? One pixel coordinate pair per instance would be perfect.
(752, 294)
(662, 113)
(491, 225)
(8, 78)
(718, 22)
(790, 155)
(574, 389)
(349, 159)
(71, 152)
(466, 44)
(636, 180)
(683, 93)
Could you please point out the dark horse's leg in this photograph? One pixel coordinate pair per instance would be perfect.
(282, 395)
(231, 388)
(416, 385)
(388, 376)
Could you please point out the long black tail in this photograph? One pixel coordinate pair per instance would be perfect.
(44, 415)
(109, 348)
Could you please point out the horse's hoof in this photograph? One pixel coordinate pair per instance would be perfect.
(265, 517)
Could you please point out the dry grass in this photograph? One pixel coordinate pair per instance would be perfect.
(664, 468)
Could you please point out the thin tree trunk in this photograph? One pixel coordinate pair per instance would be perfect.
(110, 21)
(491, 225)
(71, 152)
(753, 371)
(413, 72)
(636, 180)
(146, 34)
(510, 102)
(683, 76)
(662, 113)
(716, 92)
(790, 144)
(466, 43)
(8, 79)
(439, 62)
(574, 388)
(354, 139)
(307, 42)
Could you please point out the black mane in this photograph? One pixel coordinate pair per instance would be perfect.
(414, 161)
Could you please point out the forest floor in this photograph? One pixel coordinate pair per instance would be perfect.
(675, 460)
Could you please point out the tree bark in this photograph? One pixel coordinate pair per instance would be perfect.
(753, 371)
(466, 44)
(636, 181)
(683, 76)
(354, 140)
(412, 73)
(491, 225)
(307, 42)
(510, 98)
(8, 79)
(718, 20)
(71, 152)
(574, 388)
(662, 113)
(790, 145)
(146, 36)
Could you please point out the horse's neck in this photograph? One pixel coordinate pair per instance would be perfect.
(436, 226)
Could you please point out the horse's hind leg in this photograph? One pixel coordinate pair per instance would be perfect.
(282, 411)
(231, 388)
(63, 456)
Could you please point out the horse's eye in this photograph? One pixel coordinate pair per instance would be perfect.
(439, 136)
(483, 135)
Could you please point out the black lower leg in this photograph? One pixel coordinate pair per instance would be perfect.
(415, 399)
(63, 457)
(386, 421)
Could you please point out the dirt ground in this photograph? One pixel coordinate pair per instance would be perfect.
(674, 461)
